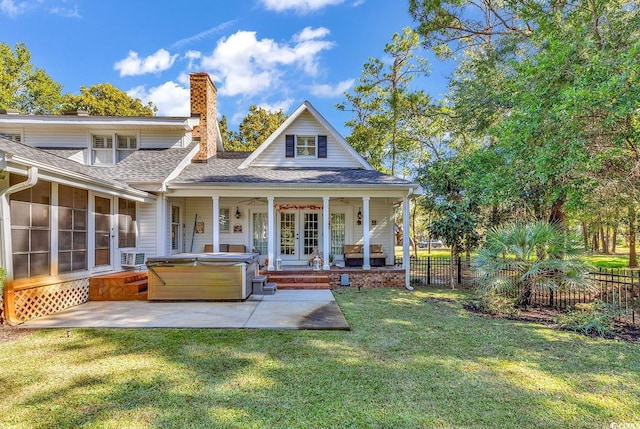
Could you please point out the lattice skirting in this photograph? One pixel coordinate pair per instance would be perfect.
(32, 303)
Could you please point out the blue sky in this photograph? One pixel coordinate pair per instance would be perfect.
(272, 53)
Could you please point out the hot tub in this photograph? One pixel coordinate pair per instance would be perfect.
(207, 276)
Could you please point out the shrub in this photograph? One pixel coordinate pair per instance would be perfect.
(595, 318)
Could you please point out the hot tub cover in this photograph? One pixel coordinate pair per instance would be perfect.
(202, 258)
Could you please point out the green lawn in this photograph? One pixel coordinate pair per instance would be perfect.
(412, 360)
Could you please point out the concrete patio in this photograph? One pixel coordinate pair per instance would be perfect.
(287, 309)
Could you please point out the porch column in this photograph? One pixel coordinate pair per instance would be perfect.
(162, 225)
(406, 257)
(366, 263)
(326, 233)
(271, 241)
(216, 223)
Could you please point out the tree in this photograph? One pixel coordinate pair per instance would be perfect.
(387, 111)
(254, 129)
(105, 99)
(24, 87)
(457, 227)
(518, 258)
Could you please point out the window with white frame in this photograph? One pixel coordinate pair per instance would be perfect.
(305, 146)
(104, 152)
(14, 137)
(223, 220)
(126, 146)
(102, 149)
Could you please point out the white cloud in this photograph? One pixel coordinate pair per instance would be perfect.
(171, 98)
(11, 8)
(202, 35)
(301, 6)
(245, 65)
(283, 105)
(134, 65)
(64, 8)
(328, 91)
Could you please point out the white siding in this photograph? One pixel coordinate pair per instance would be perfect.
(80, 138)
(305, 124)
(55, 137)
(163, 140)
(147, 233)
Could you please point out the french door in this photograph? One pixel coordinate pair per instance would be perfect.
(300, 233)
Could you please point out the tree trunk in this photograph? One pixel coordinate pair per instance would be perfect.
(633, 260)
(557, 215)
(605, 245)
(614, 238)
(596, 242)
(585, 236)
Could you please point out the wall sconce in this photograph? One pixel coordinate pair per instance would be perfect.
(237, 213)
(359, 217)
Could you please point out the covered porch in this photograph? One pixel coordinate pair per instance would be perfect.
(289, 228)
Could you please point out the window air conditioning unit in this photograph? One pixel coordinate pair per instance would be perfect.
(132, 259)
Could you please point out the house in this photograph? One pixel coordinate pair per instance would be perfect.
(82, 194)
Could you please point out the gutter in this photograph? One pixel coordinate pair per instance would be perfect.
(406, 259)
(5, 234)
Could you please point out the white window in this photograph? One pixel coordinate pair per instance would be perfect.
(126, 146)
(14, 137)
(305, 146)
(104, 152)
(224, 220)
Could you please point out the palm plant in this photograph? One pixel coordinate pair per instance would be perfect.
(519, 258)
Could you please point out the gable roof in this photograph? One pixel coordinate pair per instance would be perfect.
(306, 106)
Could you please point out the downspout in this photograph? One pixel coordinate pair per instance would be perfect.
(5, 248)
(406, 260)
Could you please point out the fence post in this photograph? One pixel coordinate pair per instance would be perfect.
(428, 270)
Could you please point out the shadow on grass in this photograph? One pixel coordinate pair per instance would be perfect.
(412, 359)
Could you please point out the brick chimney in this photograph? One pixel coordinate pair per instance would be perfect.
(203, 104)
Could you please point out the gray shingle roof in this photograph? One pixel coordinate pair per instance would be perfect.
(223, 169)
(142, 166)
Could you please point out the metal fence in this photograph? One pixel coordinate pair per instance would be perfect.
(618, 287)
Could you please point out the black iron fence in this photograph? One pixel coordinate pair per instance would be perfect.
(618, 287)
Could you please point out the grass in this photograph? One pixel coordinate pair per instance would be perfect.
(618, 260)
(412, 360)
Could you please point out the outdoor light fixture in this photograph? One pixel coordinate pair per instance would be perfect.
(359, 217)
(237, 213)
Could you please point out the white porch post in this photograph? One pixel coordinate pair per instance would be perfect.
(216, 223)
(271, 241)
(366, 263)
(161, 224)
(326, 233)
(406, 258)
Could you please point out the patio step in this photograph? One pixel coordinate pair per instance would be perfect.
(288, 281)
(124, 286)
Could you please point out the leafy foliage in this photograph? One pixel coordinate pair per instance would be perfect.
(24, 87)
(596, 318)
(254, 129)
(106, 100)
(518, 258)
(389, 116)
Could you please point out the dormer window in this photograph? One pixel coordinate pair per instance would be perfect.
(301, 146)
(104, 152)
